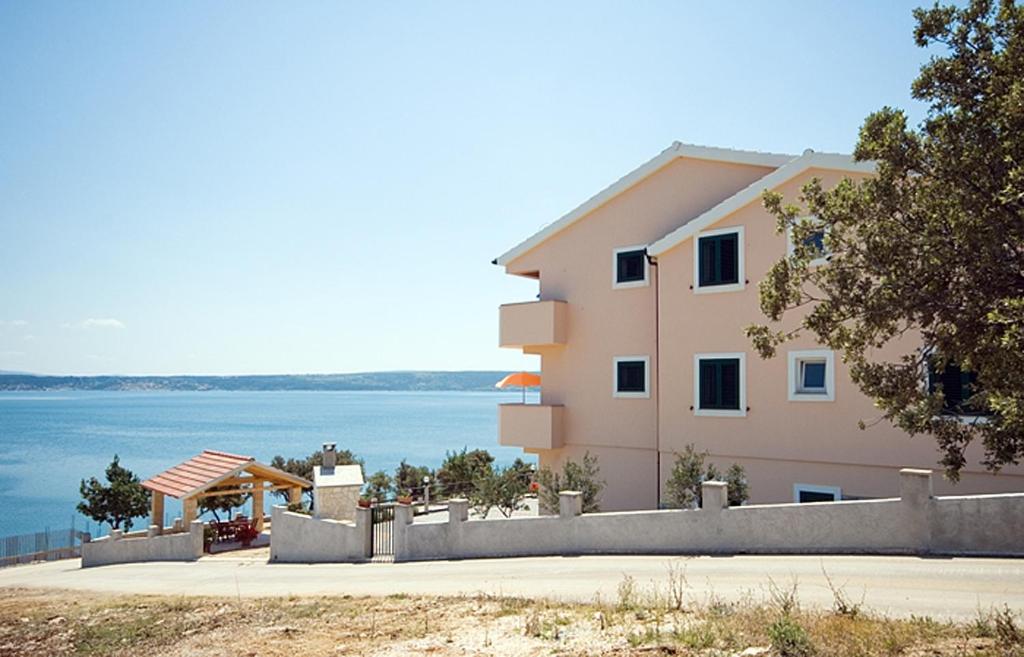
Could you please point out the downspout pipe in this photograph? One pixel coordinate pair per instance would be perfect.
(653, 262)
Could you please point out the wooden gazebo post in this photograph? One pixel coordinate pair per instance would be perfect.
(188, 511)
(295, 495)
(156, 511)
(257, 505)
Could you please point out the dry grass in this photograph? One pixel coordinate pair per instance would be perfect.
(640, 623)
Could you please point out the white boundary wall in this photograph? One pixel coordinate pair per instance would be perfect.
(149, 546)
(914, 523)
(299, 538)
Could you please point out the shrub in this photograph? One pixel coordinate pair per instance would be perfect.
(582, 477)
(502, 488)
(460, 471)
(116, 503)
(683, 488)
(789, 638)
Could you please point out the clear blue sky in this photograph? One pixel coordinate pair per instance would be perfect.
(320, 187)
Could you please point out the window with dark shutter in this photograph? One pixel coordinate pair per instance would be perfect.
(629, 266)
(957, 387)
(631, 376)
(720, 384)
(719, 260)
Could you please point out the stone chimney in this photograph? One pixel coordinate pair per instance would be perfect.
(330, 456)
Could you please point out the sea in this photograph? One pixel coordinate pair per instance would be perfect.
(50, 441)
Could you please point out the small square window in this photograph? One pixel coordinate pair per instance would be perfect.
(631, 377)
(811, 375)
(815, 240)
(629, 267)
(958, 386)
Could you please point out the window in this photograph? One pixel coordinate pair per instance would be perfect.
(815, 240)
(719, 385)
(812, 375)
(631, 377)
(718, 260)
(804, 493)
(957, 386)
(629, 267)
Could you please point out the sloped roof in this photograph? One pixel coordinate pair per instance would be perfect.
(676, 150)
(209, 468)
(753, 192)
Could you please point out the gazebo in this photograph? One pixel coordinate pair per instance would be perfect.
(211, 474)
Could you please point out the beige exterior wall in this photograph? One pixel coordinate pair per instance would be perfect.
(576, 266)
(779, 442)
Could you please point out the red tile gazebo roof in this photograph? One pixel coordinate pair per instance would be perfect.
(204, 471)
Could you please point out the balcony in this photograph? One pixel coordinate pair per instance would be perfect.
(530, 426)
(533, 324)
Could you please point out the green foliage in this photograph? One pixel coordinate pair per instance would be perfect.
(304, 467)
(933, 245)
(583, 477)
(683, 488)
(502, 488)
(789, 638)
(116, 503)
(379, 486)
(409, 478)
(458, 474)
(222, 503)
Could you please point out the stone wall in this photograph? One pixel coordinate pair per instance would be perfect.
(298, 538)
(914, 523)
(151, 546)
(336, 502)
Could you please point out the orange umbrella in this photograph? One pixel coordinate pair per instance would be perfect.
(523, 379)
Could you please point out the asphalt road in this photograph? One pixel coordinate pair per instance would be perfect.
(895, 586)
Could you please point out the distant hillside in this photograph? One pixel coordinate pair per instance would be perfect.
(364, 381)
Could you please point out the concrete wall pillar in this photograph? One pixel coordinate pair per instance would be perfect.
(916, 500)
(570, 504)
(152, 531)
(458, 510)
(714, 495)
(364, 525)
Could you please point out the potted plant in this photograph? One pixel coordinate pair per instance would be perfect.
(247, 533)
(209, 538)
(365, 502)
(405, 496)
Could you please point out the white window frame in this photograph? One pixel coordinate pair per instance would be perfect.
(793, 360)
(719, 412)
(836, 491)
(791, 247)
(646, 394)
(616, 285)
(741, 275)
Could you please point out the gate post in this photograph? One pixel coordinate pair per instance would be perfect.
(364, 524)
(403, 518)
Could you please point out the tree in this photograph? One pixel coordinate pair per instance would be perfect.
(502, 488)
(118, 502)
(409, 478)
(460, 470)
(931, 246)
(379, 486)
(222, 503)
(683, 488)
(582, 477)
(304, 467)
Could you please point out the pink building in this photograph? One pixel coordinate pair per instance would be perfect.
(645, 290)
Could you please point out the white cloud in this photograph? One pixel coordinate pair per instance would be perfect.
(13, 323)
(29, 338)
(106, 323)
(11, 354)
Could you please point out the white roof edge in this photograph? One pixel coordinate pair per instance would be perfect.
(796, 166)
(676, 150)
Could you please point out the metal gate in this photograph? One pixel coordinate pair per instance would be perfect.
(383, 532)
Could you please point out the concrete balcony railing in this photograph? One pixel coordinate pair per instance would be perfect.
(533, 324)
(531, 426)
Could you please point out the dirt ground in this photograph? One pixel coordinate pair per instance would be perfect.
(42, 623)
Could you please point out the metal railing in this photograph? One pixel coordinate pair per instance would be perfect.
(42, 546)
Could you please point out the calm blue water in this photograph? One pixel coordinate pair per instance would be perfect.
(50, 441)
